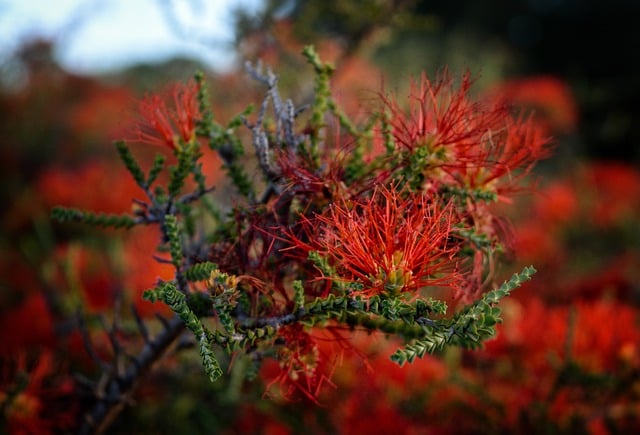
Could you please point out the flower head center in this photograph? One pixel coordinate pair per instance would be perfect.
(398, 274)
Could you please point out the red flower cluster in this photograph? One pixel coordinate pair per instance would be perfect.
(387, 243)
(561, 356)
(171, 126)
(597, 203)
(468, 143)
(442, 117)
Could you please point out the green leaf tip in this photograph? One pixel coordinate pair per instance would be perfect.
(468, 328)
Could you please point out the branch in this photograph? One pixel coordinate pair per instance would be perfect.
(119, 388)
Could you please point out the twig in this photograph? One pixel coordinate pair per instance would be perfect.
(119, 388)
(88, 345)
(140, 323)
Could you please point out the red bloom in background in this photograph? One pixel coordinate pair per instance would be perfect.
(44, 404)
(558, 205)
(302, 366)
(143, 271)
(600, 345)
(549, 97)
(558, 356)
(95, 186)
(581, 233)
(30, 325)
(98, 115)
(166, 125)
(614, 195)
(387, 243)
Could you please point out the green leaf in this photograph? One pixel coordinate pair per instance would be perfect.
(175, 243)
(200, 271)
(63, 214)
(130, 163)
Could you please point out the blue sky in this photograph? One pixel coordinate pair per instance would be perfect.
(97, 35)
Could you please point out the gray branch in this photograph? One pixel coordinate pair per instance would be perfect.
(285, 114)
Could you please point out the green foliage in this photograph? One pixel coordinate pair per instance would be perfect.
(322, 97)
(387, 132)
(239, 178)
(63, 214)
(298, 292)
(205, 123)
(129, 161)
(468, 328)
(156, 169)
(224, 139)
(327, 269)
(386, 314)
(177, 301)
(179, 173)
(175, 240)
(199, 177)
(475, 239)
(209, 361)
(200, 271)
(462, 194)
(494, 296)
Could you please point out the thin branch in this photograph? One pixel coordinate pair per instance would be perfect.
(163, 320)
(88, 345)
(194, 196)
(118, 389)
(144, 331)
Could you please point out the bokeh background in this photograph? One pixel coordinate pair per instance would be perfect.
(567, 359)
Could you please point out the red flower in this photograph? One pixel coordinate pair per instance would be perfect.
(557, 205)
(386, 243)
(549, 96)
(508, 152)
(441, 116)
(28, 326)
(538, 343)
(464, 142)
(170, 126)
(45, 404)
(614, 193)
(301, 366)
